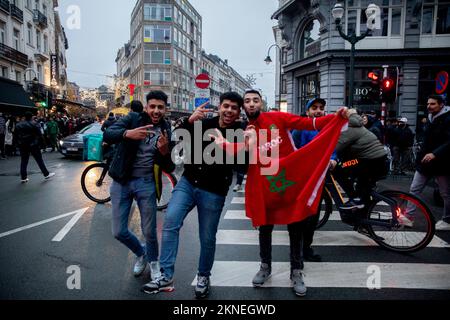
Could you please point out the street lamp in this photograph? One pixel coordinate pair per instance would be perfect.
(338, 14)
(268, 60)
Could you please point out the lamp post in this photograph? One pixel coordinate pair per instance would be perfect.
(338, 14)
(268, 60)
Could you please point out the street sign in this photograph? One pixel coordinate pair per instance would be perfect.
(202, 96)
(202, 81)
(441, 82)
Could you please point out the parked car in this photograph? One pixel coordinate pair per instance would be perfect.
(73, 146)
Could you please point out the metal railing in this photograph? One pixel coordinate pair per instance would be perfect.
(16, 13)
(39, 18)
(13, 55)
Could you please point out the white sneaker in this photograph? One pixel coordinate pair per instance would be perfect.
(140, 265)
(237, 188)
(441, 225)
(50, 175)
(404, 220)
(155, 270)
(25, 180)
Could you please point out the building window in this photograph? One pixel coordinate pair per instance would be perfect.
(157, 34)
(28, 4)
(18, 76)
(4, 72)
(157, 12)
(29, 34)
(39, 73)
(308, 88)
(436, 17)
(38, 40)
(45, 44)
(2, 32)
(391, 16)
(157, 77)
(157, 57)
(16, 39)
(310, 40)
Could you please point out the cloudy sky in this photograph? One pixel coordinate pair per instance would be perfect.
(237, 30)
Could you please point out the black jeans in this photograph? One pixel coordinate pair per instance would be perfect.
(295, 230)
(25, 152)
(366, 173)
(308, 232)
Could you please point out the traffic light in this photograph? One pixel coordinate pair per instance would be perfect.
(375, 76)
(389, 89)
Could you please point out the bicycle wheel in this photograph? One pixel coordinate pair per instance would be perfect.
(96, 182)
(169, 182)
(411, 230)
(325, 209)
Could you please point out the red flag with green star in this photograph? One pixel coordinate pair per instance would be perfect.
(294, 192)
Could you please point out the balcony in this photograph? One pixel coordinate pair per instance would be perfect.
(39, 18)
(4, 5)
(16, 13)
(13, 55)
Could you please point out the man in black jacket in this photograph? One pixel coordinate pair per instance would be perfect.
(29, 137)
(434, 157)
(143, 141)
(203, 185)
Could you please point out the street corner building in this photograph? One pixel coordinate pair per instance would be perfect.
(409, 44)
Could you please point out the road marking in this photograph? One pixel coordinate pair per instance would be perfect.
(39, 223)
(321, 238)
(239, 200)
(324, 275)
(62, 233)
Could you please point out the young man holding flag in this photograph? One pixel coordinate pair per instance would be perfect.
(290, 195)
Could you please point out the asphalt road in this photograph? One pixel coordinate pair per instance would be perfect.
(37, 268)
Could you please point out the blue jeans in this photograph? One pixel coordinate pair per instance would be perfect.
(209, 206)
(144, 191)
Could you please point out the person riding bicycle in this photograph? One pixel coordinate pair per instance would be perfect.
(362, 159)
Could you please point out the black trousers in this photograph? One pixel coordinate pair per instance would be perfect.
(366, 173)
(296, 232)
(25, 152)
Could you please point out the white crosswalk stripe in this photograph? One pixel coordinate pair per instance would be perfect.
(336, 275)
(353, 274)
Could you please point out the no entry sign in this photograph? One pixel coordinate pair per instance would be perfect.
(202, 81)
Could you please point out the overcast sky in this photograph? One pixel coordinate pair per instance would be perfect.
(237, 30)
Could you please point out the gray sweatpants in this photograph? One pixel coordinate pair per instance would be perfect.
(419, 182)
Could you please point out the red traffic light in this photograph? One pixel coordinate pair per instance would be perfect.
(373, 76)
(387, 84)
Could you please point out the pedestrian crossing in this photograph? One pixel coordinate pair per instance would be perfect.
(395, 271)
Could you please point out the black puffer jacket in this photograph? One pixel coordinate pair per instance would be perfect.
(436, 141)
(28, 134)
(122, 164)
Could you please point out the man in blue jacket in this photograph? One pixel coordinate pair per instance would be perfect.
(143, 141)
(315, 108)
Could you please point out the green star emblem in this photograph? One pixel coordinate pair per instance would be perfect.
(273, 127)
(279, 183)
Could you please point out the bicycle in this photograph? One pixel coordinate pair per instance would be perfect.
(379, 219)
(96, 182)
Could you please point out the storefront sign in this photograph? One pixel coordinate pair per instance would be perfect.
(54, 72)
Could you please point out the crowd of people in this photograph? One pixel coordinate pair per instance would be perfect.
(143, 148)
(52, 128)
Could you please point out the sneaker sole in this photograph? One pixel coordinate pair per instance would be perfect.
(156, 291)
(300, 294)
(202, 295)
(258, 285)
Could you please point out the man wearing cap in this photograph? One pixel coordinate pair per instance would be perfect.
(315, 108)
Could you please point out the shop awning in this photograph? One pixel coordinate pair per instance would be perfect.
(13, 98)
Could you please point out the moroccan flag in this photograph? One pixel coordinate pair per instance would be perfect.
(294, 193)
